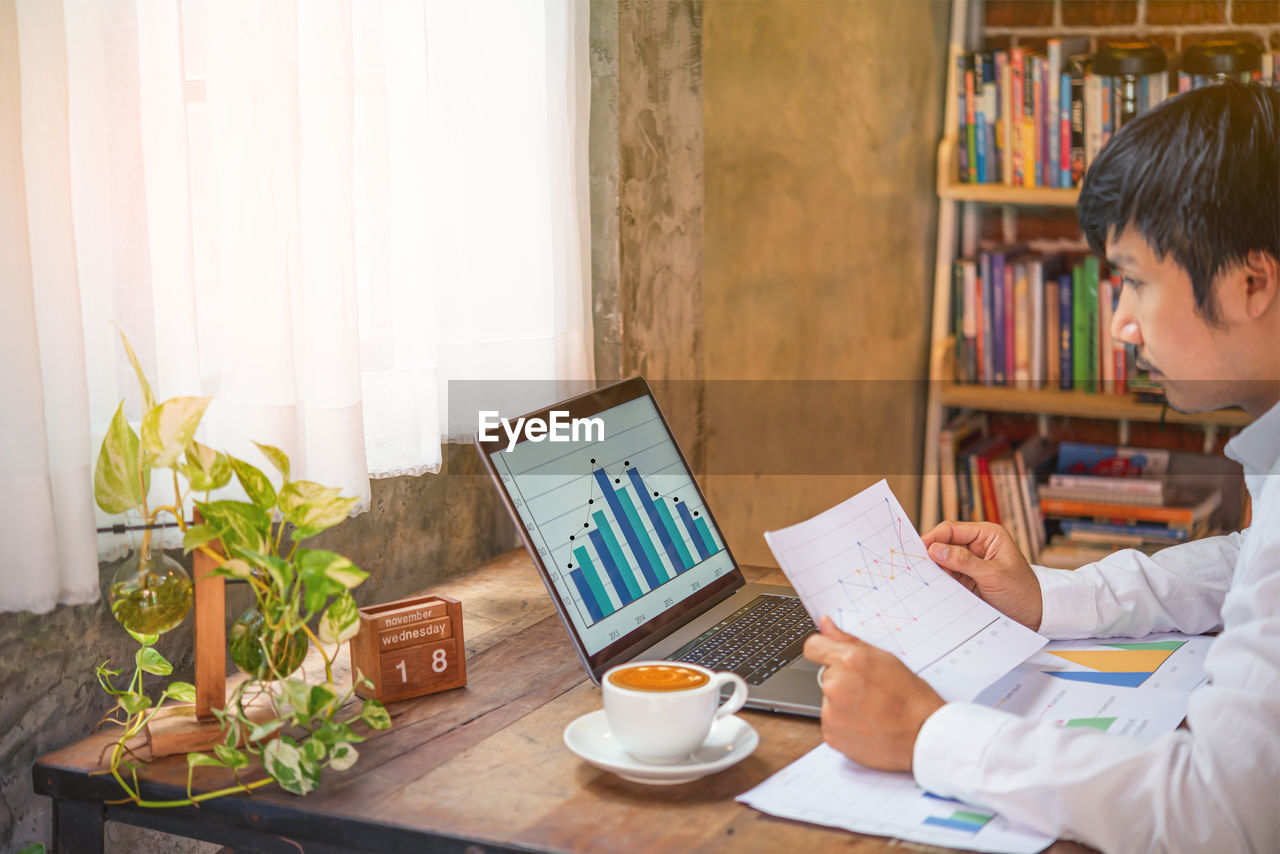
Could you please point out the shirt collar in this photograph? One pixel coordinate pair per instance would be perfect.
(1257, 447)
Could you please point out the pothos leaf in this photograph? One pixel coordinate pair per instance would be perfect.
(148, 398)
(276, 457)
(255, 483)
(341, 620)
(168, 428)
(117, 484)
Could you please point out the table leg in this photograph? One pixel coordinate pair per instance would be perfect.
(78, 827)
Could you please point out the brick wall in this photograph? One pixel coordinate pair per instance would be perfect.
(1172, 24)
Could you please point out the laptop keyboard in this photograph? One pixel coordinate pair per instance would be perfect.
(755, 641)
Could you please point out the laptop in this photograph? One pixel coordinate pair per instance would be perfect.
(630, 552)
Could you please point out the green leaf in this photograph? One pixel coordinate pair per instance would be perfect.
(266, 728)
(297, 694)
(144, 639)
(183, 692)
(281, 571)
(333, 732)
(314, 749)
(231, 757)
(341, 621)
(312, 508)
(276, 457)
(153, 662)
(321, 699)
(283, 762)
(134, 702)
(197, 536)
(148, 398)
(33, 848)
(333, 566)
(116, 484)
(195, 760)
(255, 483)
(204, 468)
(343, 756)
(374, 714)
(167, 429)
(238, 523)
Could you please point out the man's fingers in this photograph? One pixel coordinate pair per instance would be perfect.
(956, 559)
(954, 533)
(828, 627)
(831, 645)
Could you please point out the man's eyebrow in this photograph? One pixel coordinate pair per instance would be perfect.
(1120, 260)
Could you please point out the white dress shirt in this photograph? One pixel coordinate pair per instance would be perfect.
(1214, 786)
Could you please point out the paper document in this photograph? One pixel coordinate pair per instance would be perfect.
(863, 564)
(823, 787)
(1168, 661)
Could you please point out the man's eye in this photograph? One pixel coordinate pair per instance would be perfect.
(1129, 282)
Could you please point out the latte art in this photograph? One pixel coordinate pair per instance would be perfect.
(659, 677)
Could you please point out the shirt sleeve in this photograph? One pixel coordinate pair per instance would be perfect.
(1210, 787)
(1132, 594)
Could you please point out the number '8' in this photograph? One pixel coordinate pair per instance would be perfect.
(438, 662)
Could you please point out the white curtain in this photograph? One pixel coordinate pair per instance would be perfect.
(318, 212)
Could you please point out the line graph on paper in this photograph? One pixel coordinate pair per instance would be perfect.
(863, 564)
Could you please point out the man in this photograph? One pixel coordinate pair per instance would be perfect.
(1185, 203)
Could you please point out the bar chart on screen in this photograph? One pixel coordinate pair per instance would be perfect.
(619, 523)
(863, 564)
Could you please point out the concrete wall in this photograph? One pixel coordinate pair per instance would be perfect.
(776, 222)
(418, 530)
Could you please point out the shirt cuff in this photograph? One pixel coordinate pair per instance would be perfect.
(1067, 603)
(950, 747)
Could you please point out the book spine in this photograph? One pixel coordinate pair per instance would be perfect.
(1015, 115)
(1030, 159)
(1090, 343)
(975, 490)
(1092, 117)
(1124, 514)
(986, 320)
(962, 122)
(1108, 109)
(1053, 335)
(1052, 82)
(969, 322)
(1066, 324)
(996, 340)
(990, 506)
(959, 352)
(1037, 118)
(1004, 82)
(979, 175)
(1035, 287)
(1077, 123)
(1010, 323)
(1021, 326)
(970, 130)
(1079, 330)
(1064, 131)
(947, 469)
(964, 494)
(990, 104)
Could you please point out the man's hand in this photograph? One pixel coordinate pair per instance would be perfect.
(872, 705)
(983, 557)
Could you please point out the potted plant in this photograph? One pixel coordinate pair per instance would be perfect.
(291, 728)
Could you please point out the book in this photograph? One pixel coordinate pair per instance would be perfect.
(970, 130)
(1053, 117)
(1101, 495)
(1111, 460)
(1053, 335)
(989, 99)
(1031, 459)
(974, 464)
(1190, 510)
(962, 121)
(1004, 79)
(1153, 486)
(1004, 483)
(1016, 67)
(1106, 351)
(986, 321)
(979, 162)
(1161, 534)
(961, 430)
(1021, 325)
(1035, 289)
(1066, 324)
(1076, 69)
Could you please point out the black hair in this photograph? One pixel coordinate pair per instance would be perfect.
(1198, 177)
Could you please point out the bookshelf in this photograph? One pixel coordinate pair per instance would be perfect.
(959, 210)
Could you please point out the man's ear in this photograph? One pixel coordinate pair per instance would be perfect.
(1261, 275)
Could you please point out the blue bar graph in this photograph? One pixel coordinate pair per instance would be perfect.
(664, 531)
(687, 518)
(704, 531)
(659, 571)
(615, 551)
(610, 567)
(629, 529)
(592, 578)
(588, 598)
(686, 560)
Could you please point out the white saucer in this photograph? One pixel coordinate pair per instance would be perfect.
(731, 740)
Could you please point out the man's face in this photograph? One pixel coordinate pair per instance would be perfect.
(1189, 357)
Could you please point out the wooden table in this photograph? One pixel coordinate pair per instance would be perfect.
(481, 768)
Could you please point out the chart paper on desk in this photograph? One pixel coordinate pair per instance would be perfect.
(863, 564)
(823, 787)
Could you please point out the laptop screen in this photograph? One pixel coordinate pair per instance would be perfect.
(616, 520)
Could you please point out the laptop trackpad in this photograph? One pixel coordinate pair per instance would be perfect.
(803, 663)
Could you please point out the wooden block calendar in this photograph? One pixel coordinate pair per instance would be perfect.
(410, 647)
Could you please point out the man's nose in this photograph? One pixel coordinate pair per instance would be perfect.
(1124, 323)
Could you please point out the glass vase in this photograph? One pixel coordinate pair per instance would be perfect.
(150, 593)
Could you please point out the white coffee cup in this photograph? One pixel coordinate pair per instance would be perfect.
(663, 710)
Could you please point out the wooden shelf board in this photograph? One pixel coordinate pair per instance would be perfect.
(1080, 405)
(1000, 194)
